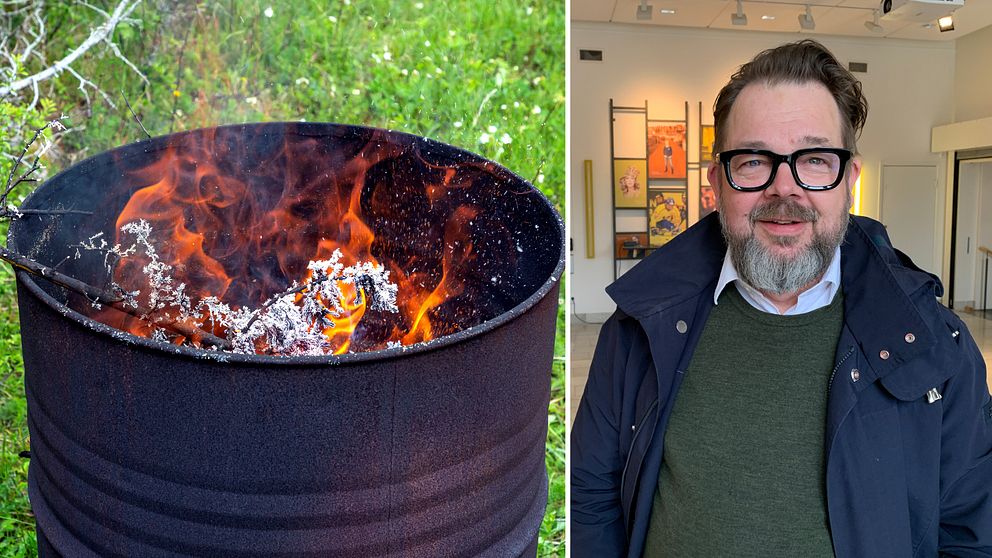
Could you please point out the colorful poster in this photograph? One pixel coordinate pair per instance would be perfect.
(667, 214)
(629, 183)
(707, 201)
(706, 144)
(666, 151)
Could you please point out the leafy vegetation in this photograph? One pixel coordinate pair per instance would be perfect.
(483, 75)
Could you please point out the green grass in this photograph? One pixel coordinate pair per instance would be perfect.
(484, 75)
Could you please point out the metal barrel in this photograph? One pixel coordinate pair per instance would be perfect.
(140, 448)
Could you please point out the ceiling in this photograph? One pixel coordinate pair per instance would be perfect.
(832, 17)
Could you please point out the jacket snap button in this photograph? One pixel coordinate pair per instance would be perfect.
(910, 338)
(883, 354)
(855, 374)
(681, 326)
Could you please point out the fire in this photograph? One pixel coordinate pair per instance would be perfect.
(239, 223)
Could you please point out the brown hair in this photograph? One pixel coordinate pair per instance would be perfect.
(800, 62)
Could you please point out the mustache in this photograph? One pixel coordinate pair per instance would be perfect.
(783, 210)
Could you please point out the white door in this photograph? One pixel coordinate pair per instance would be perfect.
(909, 212)
(966, 241)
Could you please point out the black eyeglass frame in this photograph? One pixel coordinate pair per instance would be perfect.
(843, 154)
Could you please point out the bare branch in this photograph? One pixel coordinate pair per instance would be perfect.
(123, 9)
(84, 82)
(115, 301)
(136, 119)
(117, 52)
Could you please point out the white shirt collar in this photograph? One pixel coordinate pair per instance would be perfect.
(818, 296)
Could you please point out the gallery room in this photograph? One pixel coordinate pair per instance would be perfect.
(643, 80)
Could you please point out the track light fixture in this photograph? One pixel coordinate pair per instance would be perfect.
(873, 25)
(739, 18)
(644, 11)
(806, 20)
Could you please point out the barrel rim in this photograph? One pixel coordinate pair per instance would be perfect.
(28, 280)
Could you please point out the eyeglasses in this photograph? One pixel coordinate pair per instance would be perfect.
(817, 168)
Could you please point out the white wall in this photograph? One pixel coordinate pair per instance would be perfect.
(909, 86)
(973, 80)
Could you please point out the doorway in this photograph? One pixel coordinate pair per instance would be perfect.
(972, 262)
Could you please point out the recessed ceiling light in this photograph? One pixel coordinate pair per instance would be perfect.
(666, 11)
(768, 17)
(946, 23)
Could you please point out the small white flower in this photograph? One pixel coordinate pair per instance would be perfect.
(536, 110)
(492, 129)
(540, 178)
(387, 55)
(516, 104)
(427, 43)
(458, 124)
(419, 5)
(251, 100)
(530, 10)
(451, 33)
(438, 71)
(268, 12)
(302, 81)
(332, 19)
(416, 72)
(506, 139)
(405, 72)
(503, 106)
(347, 2)
(356, 91)
(537, 80)
(484, 138)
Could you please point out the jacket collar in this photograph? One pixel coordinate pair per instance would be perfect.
(688, 264)
(882, 288)
(883, 295)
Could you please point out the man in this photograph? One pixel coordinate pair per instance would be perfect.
(667, 152)
(778, 380)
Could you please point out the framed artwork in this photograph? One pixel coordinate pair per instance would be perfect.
(707, 200)
(706, 137)
(630, 245)
(630, 183)
(668, 214)
(628, 135)
(666, 150)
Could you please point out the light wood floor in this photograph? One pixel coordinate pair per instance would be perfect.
(583, 340)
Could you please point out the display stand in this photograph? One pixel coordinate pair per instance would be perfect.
(650, 164)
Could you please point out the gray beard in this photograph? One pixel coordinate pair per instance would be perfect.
(777, 274)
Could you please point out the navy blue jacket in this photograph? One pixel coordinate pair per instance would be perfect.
(905, 477)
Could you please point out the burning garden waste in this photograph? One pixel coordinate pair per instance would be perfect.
(276, 257)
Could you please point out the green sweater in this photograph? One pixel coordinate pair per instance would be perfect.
(743, 471)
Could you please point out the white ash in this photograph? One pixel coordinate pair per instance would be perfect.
(285, 325)
(371, 279)
(159, 334)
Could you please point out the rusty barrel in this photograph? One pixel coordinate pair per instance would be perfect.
(141, 448)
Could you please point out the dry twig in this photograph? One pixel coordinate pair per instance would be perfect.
(113, 300)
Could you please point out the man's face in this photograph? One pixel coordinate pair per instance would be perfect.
(783, 225)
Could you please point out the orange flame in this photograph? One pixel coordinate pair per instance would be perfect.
(245, 234)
